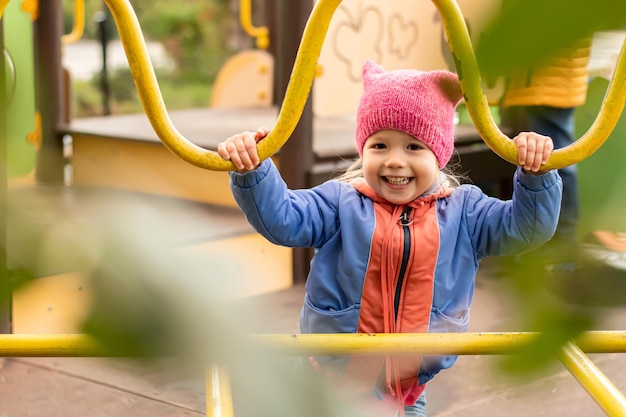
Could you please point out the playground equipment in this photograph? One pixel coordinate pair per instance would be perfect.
(304, 73)
(18, 58)
(219, 401)
(260, 33)
(603, 392)
(79, 24)
(246, 79)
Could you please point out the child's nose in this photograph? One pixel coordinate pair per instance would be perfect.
(396, 159)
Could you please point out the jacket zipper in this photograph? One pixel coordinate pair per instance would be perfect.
(405, 221)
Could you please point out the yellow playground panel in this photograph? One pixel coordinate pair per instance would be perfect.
(305, 68)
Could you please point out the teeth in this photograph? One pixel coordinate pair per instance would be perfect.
(397, 180)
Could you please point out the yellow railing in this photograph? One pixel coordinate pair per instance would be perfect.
(303, 74)
(219, 400)
(298, 89)
(591, 141)
(150, 95)
(260, 33)
(78, 28)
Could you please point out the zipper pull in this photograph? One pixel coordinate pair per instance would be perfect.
(405, 218)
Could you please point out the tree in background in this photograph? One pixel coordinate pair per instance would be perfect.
(195, 33)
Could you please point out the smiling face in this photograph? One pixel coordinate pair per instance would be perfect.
(398, 167)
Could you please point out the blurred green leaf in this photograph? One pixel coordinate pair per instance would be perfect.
(560, 300)
(16, 279)
(526, 31)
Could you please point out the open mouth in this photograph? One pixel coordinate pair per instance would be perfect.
(397, 180)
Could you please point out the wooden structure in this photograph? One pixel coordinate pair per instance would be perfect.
(124, 152)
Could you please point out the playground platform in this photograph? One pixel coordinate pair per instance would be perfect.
(86, 387)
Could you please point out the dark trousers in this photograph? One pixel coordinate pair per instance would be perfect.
(559, 125)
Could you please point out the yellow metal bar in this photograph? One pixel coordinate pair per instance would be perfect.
(469, 76)
(478, 107)
(303, 74)
(602, 341)
(608, 397)
(428, 343)
(219, 397)
(150, 94)
(334, 344)
(152, 100)
(260, 33)
(49, 345)
(219, 401)
(79, 24)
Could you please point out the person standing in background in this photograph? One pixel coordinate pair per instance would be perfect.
(543, 99)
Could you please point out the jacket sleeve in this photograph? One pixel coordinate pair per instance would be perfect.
(293, 218)
(523, 223)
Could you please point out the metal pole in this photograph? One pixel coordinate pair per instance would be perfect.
(341, 344)
(49, 92)
(219, 397)
(296, 156)
(601, 389)
(102, 19)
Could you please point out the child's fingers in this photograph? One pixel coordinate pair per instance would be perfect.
(548, 147)
(261, 133)
(233, 152)
(241, 149)
(222, 151)
(533, 150)
(248, 151)
(244, 152)
(534, 161)
(543, 149)
(522, 149)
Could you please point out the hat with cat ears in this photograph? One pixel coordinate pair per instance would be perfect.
(419, 103)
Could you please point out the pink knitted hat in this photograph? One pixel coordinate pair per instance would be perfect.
(418, 103)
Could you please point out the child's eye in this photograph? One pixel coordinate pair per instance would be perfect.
(379, 146)
(415, 147)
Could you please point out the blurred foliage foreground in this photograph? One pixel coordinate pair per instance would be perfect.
(149, 301)
(559, 303)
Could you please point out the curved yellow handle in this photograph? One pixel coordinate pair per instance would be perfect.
(261, 33)
(79, 24)
(467, 68)
(302, 79)
(152, 100)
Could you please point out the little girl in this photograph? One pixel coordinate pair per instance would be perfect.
(397, 241)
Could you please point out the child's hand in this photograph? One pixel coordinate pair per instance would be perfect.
(241, 149)
(533, 150)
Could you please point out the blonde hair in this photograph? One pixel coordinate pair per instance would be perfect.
(355, 170)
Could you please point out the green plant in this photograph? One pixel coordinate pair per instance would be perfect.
(193, 33)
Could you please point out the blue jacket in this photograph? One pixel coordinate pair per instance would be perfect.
(342, 223)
